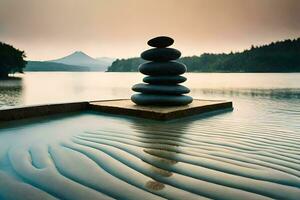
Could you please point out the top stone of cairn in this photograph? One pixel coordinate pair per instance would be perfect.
(160, 42)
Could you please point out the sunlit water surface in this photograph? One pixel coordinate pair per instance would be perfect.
(252, 152)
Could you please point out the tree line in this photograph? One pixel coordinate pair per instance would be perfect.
(11, 60)
(280, 56)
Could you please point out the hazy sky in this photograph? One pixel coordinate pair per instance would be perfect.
(48, 29)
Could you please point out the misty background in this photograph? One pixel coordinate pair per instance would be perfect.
(51, 29)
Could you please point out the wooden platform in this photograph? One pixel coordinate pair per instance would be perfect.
(119, 107)
(127, 107)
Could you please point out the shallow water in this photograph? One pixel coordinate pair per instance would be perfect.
(250, 153)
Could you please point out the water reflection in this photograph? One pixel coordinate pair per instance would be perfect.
(56, 87)
(11, 91)
(162, 142)
(285, 93)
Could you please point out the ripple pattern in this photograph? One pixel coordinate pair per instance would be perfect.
(137, 159)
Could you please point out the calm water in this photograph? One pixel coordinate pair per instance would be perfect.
(42, 88)
(250, 153)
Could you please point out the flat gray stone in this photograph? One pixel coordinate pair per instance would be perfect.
(164, 80)
(162, 68)
(161, 54)
(161, 89)
(161, 100)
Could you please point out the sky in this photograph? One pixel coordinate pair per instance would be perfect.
(50, 29)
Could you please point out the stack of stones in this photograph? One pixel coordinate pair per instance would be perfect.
(162, 83)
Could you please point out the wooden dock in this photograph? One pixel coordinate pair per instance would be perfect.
(119, 107)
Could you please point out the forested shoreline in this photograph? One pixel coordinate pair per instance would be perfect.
(281, 56)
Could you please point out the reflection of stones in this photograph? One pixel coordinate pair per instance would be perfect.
(162, 153)
(163, 71)
(160, 171)
(157, 156)
(164, 80)
(154, 185)
(162, 148)
(162, 68)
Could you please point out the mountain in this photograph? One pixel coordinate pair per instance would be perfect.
(52, 66)
(281, 56)
(77, 61)
(79, 58)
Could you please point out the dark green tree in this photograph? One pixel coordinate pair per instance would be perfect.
(11, 60)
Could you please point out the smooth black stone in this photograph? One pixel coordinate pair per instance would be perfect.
(164, 80)
(160, 42)
(161, 100)
(162, 68)
(160, 89)
(161, 54)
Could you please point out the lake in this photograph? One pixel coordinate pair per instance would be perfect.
(249, 153)
(42, 88)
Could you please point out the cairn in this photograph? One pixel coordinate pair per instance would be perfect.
(161, 87)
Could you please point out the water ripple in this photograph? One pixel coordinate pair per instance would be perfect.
(111, 158)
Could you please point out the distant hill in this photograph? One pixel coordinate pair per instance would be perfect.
(77, 61)
(52, 66)
(281, 56)
(79, 58)
(106, 60)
